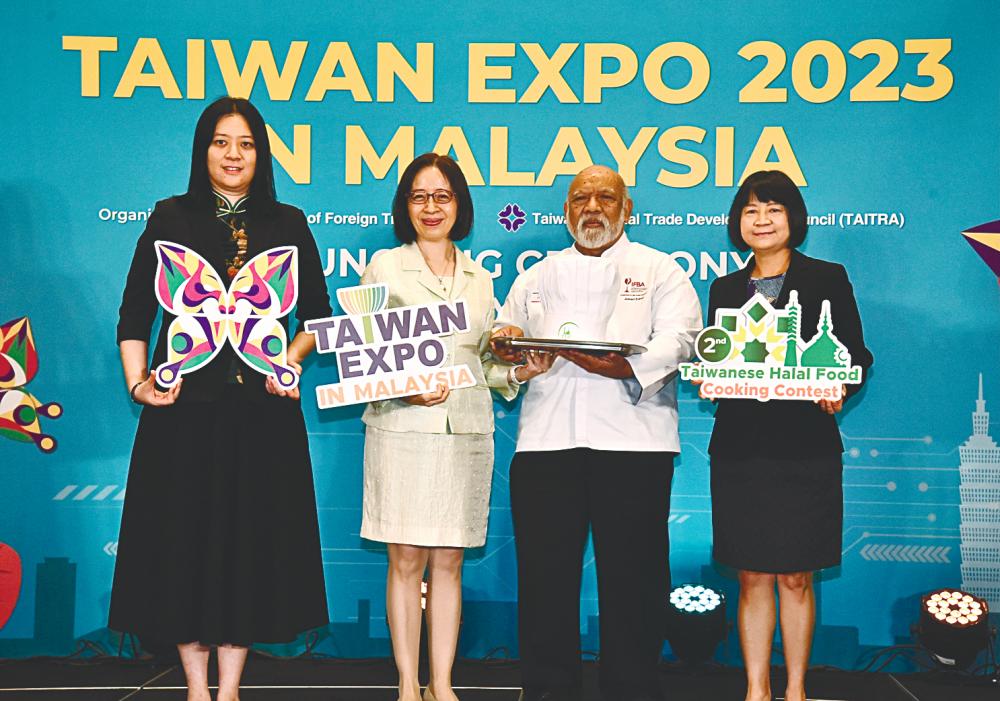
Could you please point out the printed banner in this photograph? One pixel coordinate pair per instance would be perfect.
(885, 114)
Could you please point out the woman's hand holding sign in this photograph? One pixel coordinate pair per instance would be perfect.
(272, 386)
(833, 407)
(429, 398)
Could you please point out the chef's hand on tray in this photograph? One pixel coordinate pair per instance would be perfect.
(611, 365)
(504, 351)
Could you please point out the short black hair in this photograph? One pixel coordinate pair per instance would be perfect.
(401, 223)
(199, 193)
(770, 186)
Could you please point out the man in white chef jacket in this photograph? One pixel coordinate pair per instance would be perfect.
(595, 447)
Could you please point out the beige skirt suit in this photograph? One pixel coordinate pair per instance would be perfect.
(428, 470)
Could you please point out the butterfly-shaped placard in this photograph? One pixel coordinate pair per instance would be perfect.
(20, 411)
(248, 312)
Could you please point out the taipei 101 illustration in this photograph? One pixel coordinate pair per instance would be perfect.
(980, 509)
(980, 466)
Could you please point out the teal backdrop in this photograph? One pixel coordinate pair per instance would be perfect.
(886, 112)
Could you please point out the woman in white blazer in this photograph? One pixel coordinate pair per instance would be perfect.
(429, 457)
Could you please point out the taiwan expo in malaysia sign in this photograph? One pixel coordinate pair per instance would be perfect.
(757, 352)
(388, 353)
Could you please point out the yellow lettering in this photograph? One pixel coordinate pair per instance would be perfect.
(774, 138)
(836, 71)
(725, 138)
(90, 49)
(338, 53)
(391, 64)
(296, 161)
(627, 157)
(567, 139)
(870, 88)
(549, 73)
(499, 173)
(652, 72)
(133, 77)
(759, 89)
(196, 69)
(696, 163)
(930, 66)
(480, 72)
(595, 80)
(452, 139)
(260, 59)
(358, 150)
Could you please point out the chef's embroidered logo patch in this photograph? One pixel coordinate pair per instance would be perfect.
(634, 289)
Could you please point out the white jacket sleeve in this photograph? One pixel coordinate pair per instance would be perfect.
(676, 321)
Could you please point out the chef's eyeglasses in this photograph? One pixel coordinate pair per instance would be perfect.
(422, 196)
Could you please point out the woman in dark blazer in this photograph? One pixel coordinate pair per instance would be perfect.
(219, 541)
(777, 500)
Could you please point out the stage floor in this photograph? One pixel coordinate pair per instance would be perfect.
(269, 679)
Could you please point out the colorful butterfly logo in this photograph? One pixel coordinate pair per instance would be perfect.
(19, 409)
(248, 312)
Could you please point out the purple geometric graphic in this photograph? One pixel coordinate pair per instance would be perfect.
(511, 217)
(985, 240)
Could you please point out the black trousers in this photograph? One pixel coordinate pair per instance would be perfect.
(624, 497)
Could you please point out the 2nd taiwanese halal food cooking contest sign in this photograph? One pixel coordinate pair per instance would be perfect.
(758, 352)
(885, 116)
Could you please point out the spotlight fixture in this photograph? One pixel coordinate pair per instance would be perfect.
(954, 627)
(696, 622)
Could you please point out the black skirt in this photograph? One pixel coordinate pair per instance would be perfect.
(219, 539)
(777, 515)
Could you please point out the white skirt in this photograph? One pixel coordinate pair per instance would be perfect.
(430, 489)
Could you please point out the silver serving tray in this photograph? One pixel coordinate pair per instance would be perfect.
(625, 349)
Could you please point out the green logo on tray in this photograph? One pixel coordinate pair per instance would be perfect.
(567, 330)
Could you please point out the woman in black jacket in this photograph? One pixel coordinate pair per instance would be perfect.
(777, 499)
(219, 541)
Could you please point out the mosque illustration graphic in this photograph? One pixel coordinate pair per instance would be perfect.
(980, 508)
(758, 333)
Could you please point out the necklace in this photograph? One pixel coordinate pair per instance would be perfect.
(232, 215)
(449, 264)
(442, 277)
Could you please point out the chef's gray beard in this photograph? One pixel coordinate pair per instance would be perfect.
(599, 238)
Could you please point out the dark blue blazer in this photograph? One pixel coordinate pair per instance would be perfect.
(783, 428)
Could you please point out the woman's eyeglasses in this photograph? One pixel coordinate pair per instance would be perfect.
(422, 196)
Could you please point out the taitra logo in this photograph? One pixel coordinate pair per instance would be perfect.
(511, 217)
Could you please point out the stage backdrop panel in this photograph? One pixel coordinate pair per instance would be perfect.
(886, 113)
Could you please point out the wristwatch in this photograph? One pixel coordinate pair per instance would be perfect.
(512, 375)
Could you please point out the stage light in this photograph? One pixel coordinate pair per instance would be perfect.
(954, 627)
(696, 622)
